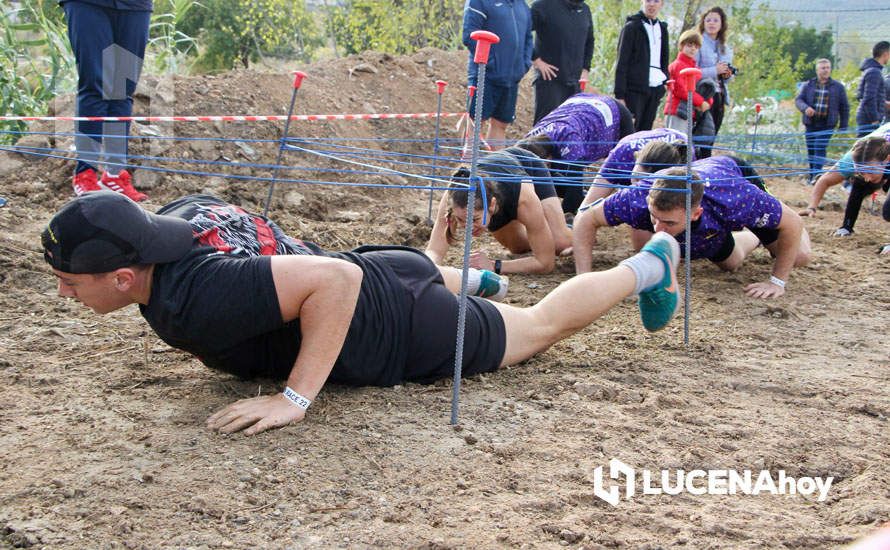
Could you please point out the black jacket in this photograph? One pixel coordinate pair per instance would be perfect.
(632, 68)
(871, 93)
(563, 36)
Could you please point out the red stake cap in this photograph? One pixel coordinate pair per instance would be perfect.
(690, 76)
(471, 90)
(298, 79)
(583, 84)
(757, 107)
(440, 84)
(484, 40)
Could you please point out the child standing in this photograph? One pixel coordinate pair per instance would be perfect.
(690, 43)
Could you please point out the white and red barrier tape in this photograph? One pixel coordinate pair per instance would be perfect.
(227, 118)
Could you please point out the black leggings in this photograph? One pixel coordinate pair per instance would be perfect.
(860, 190)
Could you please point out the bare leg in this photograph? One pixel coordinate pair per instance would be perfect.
(562, 236)
(513, 237)
(639, 237)
(804, 253)
(497, 133)
(451, 275)
(572, 306)
(745, 243)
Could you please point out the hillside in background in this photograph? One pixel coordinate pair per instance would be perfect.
(859, 23)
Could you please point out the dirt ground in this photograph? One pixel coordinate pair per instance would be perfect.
(102, 437)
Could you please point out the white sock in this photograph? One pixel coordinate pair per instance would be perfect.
(474, 279)
(647, 267)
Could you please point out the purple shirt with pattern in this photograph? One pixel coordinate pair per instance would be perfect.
(730, 203)
(620, 163)
(584, 128)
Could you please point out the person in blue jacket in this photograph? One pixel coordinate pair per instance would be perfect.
(108, 38)
(823, 104)
(508, 61)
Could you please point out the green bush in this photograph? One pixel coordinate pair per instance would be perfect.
(396, 26)
(36, 63)
(240, 31)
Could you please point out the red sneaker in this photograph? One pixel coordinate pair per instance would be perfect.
(122, 183)
(85, 181)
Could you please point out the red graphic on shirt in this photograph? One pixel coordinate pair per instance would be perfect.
(232, 230)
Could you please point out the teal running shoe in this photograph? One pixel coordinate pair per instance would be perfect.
(492, 286)
(659, 303)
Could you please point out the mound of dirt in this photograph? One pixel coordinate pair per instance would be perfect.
(102, 431)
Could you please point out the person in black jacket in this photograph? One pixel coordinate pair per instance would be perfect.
(871, 94)
(108, 38)
(641, 70)
(563, 49)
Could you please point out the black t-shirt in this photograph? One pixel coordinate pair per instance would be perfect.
(219, 303)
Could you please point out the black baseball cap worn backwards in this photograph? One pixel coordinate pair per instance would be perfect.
(102, 231)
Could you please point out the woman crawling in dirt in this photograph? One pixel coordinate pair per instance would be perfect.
(524, 214)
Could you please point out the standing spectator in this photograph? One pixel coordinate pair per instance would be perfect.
(823, 102)
(563, 49)
(108, 39)
(690, 43)
(872, 95)
(887, 99)
(641, 70)
(715, 61)
(509, 60)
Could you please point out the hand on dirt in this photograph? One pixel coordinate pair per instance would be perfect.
(256, 414)
(764, 290)
(480, 260)
(807, 212)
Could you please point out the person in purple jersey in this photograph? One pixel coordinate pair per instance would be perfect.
(731, 215)
(624, 159)
(580, 131)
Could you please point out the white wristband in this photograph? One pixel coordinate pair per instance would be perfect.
(297, 399)
(777, 281)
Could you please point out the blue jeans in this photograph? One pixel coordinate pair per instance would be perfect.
(109, 45)
(865, 128)
(817, 136)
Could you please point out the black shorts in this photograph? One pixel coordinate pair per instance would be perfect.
(766, 236)
(625, 121)
(432, 310)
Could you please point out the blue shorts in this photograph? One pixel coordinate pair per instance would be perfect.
(499, 103)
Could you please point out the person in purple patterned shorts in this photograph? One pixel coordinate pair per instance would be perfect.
(732, 214)
(580, 131)
(623, 160)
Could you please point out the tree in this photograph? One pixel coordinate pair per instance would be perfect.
(805, 45)
(241, 31)
(396, 26)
